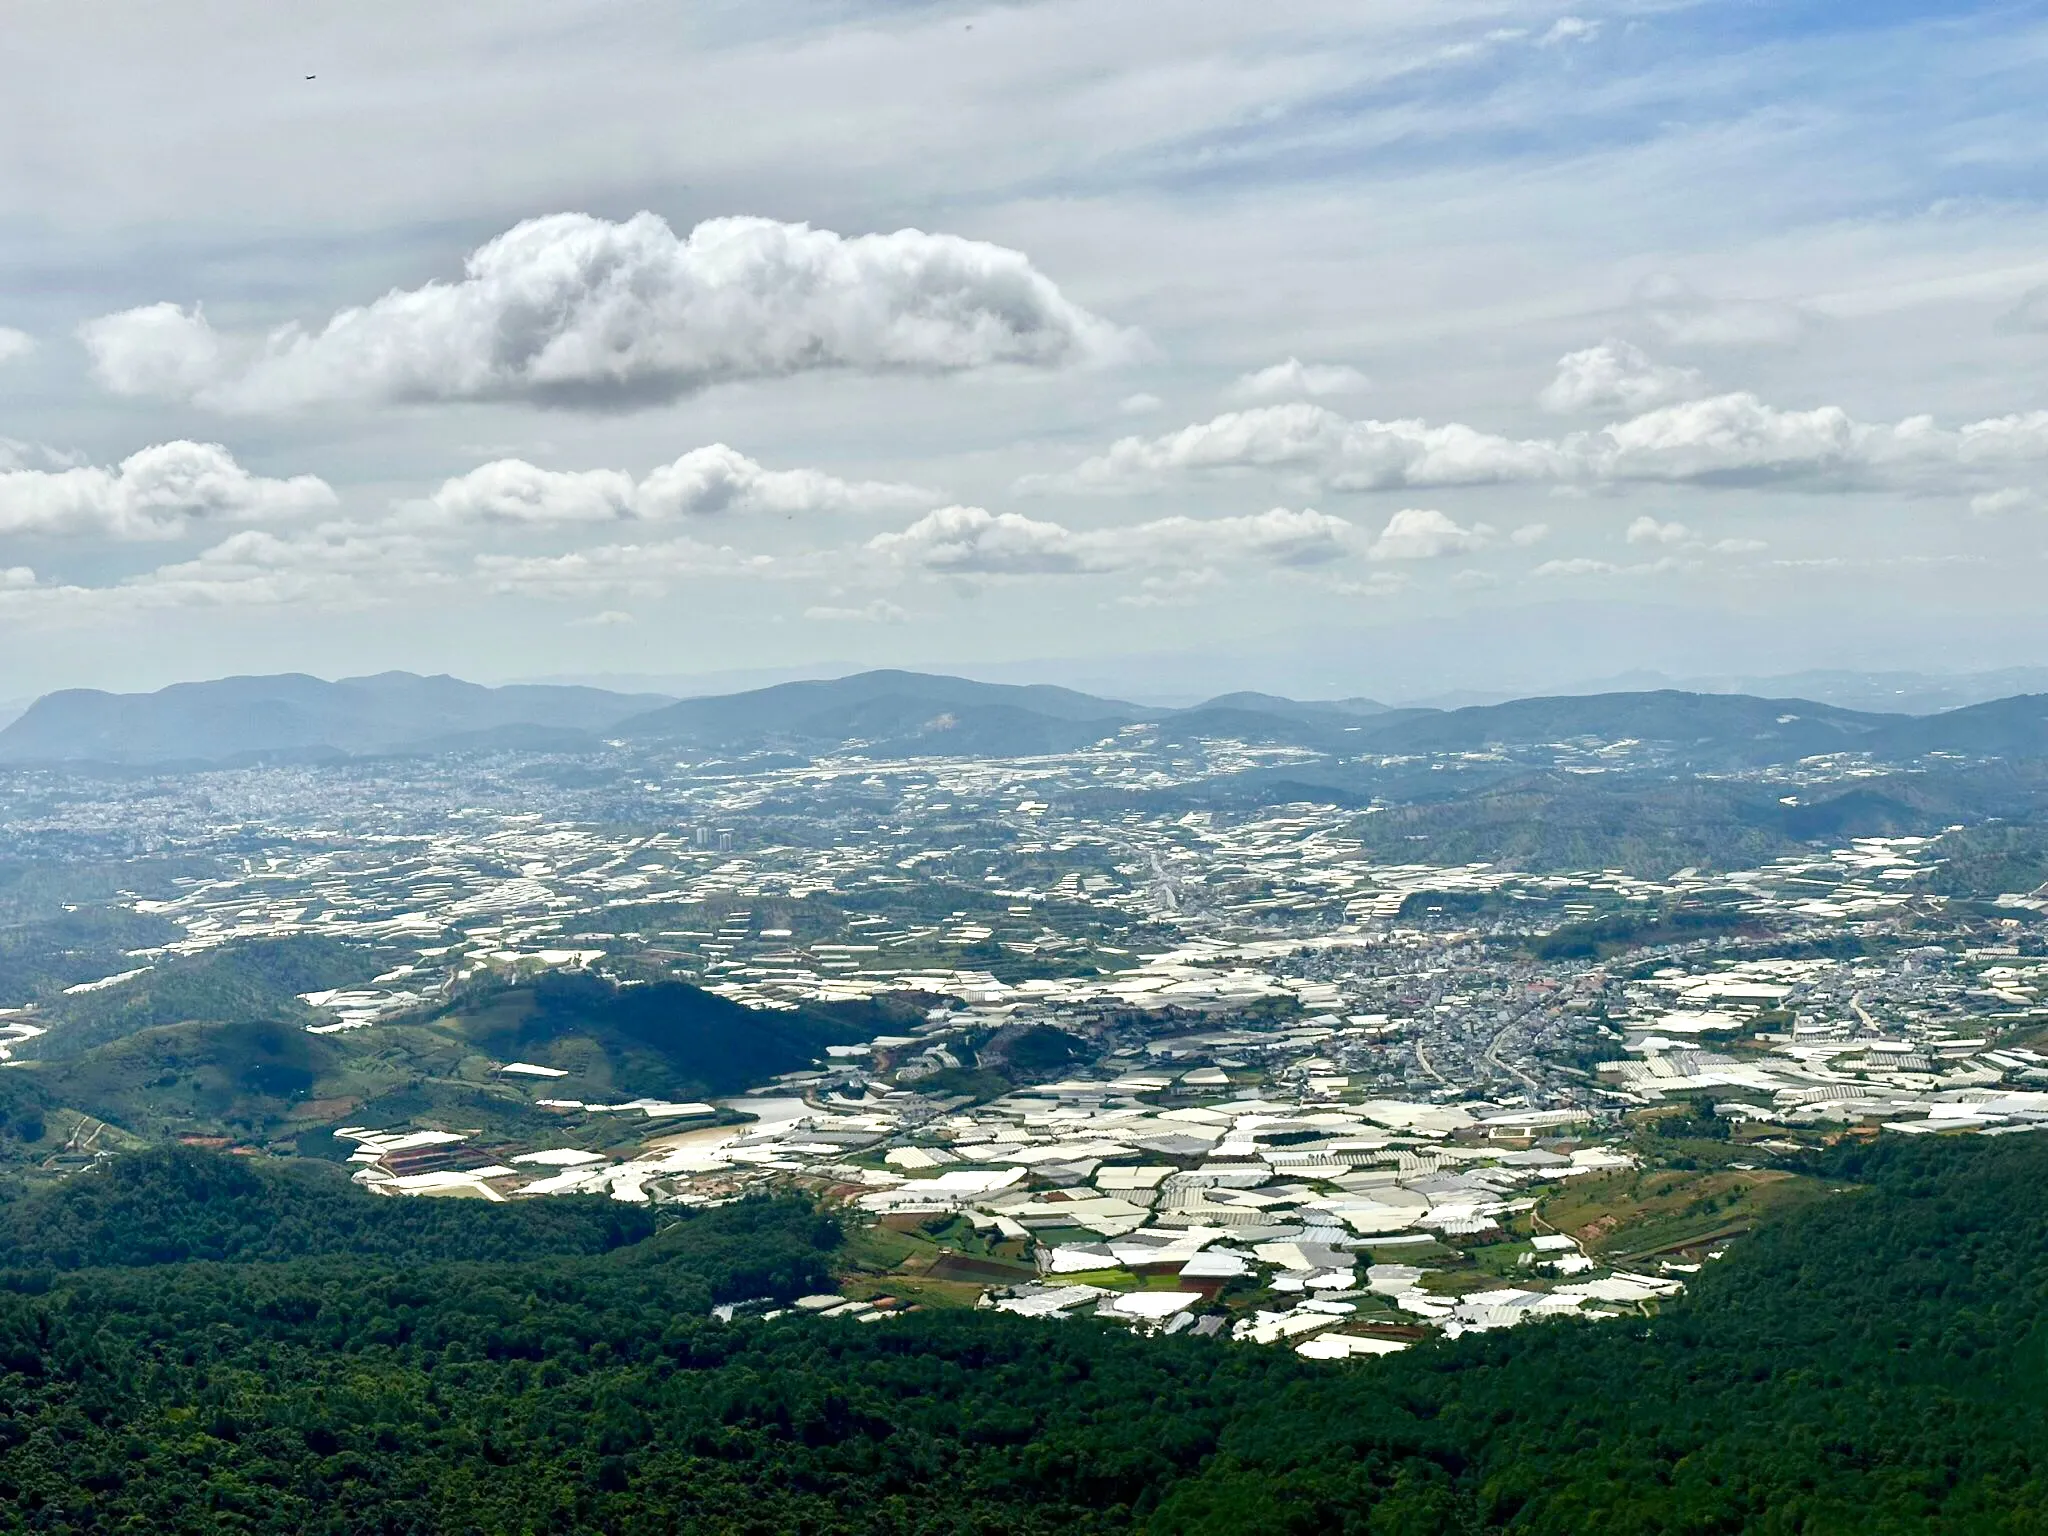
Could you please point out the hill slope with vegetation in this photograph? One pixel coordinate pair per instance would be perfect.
(216, 1045)
(1873, 1366)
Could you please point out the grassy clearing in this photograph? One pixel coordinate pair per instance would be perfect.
(1635, 1214)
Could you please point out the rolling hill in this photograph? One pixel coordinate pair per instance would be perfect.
(666, 1039)
(904, 709)
(2015, 727)
(1757, 730)
(216, 1045)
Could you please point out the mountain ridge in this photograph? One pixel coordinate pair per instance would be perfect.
(232, 717)
(892, 713)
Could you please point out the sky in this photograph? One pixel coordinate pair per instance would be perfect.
(1167, 346)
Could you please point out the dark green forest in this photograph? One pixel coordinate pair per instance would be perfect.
(193, 1343)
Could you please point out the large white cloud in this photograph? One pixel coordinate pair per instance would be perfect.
(574, 310)
(703, 482)
(976, 541)
(153, 494)
(1727, 439)
(1616, 376)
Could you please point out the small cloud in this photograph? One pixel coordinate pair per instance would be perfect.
(1580, 566)
(1616, 376)
(880, 611)
(1569, 29)
(1478, 581)
(1295, 379)
(1647, 530)
(610, 618)
(1178, 589)
(1416, 533)
(1140, 404)
(1529, 534)
(1378, 584)
(1739, 546)
(15, 345)
(2014, 498)
(16, 578)
(974, 541)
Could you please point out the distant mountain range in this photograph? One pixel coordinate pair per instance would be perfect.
(240, 718)
(895, 714)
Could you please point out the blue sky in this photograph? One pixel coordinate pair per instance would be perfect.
(1722, 327)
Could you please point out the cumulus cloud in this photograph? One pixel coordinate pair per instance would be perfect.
(1675, 535)
(703, 482)
(1647, 530)
(976, 541)
(1529, 534)
(14, 345)
(1339, 454)
(991, 543)
(156, 493)
(2011, 498)
(334, 566)
(1293, 379)
(158, 350)
(880, 611)
(571, 310)
(16, 578)
(1731, 439)
(1616, 376)
(1580, 566)
(338, 565)
(1426, 534)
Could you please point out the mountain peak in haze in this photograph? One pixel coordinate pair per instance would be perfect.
(293, 714)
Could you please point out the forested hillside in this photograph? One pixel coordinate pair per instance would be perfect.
(1876, 1367)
